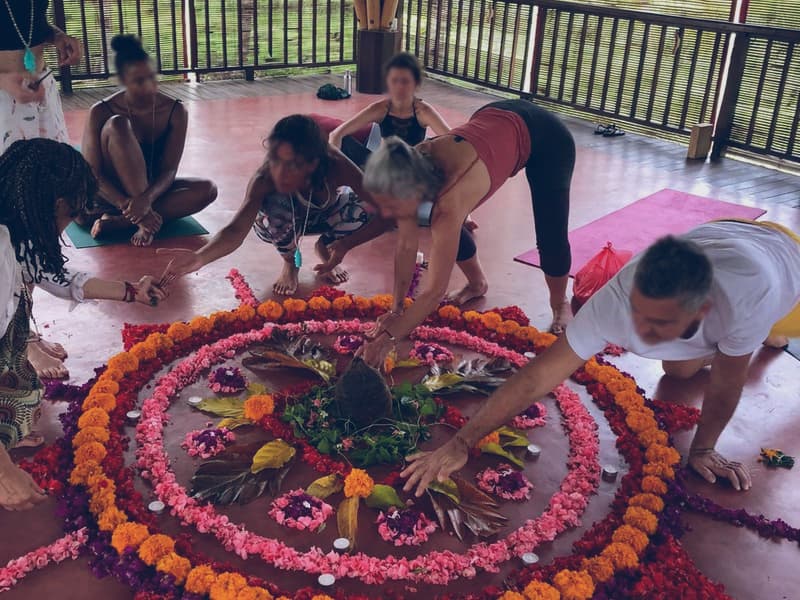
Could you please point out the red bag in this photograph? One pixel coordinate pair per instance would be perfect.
(597, 272)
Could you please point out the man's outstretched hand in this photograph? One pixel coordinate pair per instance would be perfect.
(437, 465)
(710, 464)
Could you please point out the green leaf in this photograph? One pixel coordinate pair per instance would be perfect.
(408, 363)
(223, 407)
(347, 519)
(447, 488)
(233, 423)
(383, 497)
(326, 486)
(272, 455)
(512, 438)
(256, 389)
(438, 382)
(498, 450)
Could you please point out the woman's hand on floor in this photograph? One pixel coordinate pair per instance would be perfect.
(149, 292)
(18, 490)
(375, 351)
(710, 464)
(438, 465)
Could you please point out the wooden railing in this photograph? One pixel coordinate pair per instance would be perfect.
(660, 72)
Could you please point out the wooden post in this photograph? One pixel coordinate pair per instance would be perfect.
(61, 22)
(373, 14)
(388, 13)
(360, 7)
(700, 141)
(733, 82)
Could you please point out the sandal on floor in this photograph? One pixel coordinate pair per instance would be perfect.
(613, 131)
(601, 129)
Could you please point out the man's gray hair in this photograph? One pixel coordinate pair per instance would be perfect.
(401, 171)
(675, 268)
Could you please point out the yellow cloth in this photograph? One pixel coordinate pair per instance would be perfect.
(789, 325)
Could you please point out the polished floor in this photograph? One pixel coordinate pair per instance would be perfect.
(226, 129)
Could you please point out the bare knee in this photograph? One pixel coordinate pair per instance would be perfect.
(116, 125)
(208, 192)
(682, 369)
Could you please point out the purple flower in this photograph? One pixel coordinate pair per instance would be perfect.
(228, 380)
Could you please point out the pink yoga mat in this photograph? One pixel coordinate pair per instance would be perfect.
(638, 225)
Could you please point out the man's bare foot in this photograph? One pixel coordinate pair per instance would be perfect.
(46, 366)
(471, 291)
(777, 341)
(107, 224)
(142, 237)
(32, 440)
(562, 314)
(336, 275)
(53, 349)
(470, 224)
(286, 285)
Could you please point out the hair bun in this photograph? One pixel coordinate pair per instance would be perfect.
(126, 44)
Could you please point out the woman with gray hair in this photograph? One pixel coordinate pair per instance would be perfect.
(439, 182)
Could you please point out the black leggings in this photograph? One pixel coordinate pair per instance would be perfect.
(355, 151)
(549, 172)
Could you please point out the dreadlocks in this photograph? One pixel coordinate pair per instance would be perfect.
(33, 175)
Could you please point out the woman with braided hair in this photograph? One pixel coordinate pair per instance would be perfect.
(43, 184)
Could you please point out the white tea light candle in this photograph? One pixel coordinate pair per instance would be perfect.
(156, 507)
(326, 580)
(194, 401)
(529, 558)
(341, 544)
(533, 451)
(610, 473)
(133, 415)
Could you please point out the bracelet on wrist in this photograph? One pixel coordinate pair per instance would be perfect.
(700, 451)
(130, 292)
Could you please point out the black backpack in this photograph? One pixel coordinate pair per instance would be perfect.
(331, 92)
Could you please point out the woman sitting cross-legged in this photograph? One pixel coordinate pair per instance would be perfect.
(43, 185)
(438, 182)
(305, 187)
(134, 141)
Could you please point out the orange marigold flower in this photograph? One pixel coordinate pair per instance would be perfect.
(201, 325)
(179, 331)
(270, 310)
(254, 593)
(200, 579)
(620, 385)
(160, 341)
(545, 339)
(471, 315)
(363, 304)
(222, 316)
(407, 302)
(600, 568)
(101, 502)
(105, 386)
(622, 555)
(650, 437)
(659, 470)
(81, 473)
(342, 303)
(574, 585)
(358, 483)
(128, 535)
(628, 399)
(383, 302)
(320, 597)
(635, 538)
(508, 327)
(450, 312)
(662, 454)
(106, 402)
(641, 519)
(511, 595)
(526, 333)
(156, 547)
(94, 451)
(294, 305)
(175, 565)
(227, 586)
(539, 590)
(319, 303)
(606, 374)
(245, 313)
(652, 503)
(94, 417)
(389, 362)
(143, 351)
(124, 362)
(491, 320)
(492, 438)
(639, 421)
(654, 485)
(259, 406)
(110, 519)
(90, 434)
(109, 374)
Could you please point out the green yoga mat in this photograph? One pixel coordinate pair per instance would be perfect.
(82, 238)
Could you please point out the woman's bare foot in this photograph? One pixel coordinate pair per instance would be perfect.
(562, 314)
(286, 285)
(107, 224)
(53, 349)
(142, 237)
(471, 291)
(470, 223)
(777, 341)
(336, 275)
(46, 366)
(32, 440)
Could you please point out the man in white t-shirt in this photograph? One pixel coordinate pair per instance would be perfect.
(709, 297)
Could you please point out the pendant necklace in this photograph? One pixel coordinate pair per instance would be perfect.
(298, 256)
(28, 60)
